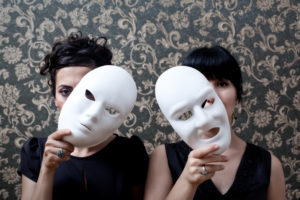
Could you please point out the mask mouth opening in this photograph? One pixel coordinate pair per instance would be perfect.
(210, 133)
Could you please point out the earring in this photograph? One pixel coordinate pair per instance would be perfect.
(234, 116)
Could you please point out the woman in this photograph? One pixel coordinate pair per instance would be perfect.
(243, 171)
(52, 168)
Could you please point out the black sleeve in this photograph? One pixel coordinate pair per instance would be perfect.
(139, 161)
(31, 158)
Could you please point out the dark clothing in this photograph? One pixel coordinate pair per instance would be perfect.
(108, 174)
(251, 181)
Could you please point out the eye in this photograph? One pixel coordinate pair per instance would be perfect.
(185, 116)
(65, 92)
(89, 95)
(112, 110)
(222, 84)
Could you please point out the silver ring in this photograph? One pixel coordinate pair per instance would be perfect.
(60, 153)
(204, 172)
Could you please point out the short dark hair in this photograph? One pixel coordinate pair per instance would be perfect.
(75, 50)
(216, 63)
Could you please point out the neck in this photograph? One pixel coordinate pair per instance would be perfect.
(87, 151)
(236, 144)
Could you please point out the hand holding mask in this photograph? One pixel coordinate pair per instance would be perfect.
(193, 108)
(98, 105)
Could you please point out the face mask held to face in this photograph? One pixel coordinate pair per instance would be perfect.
(98, 105)
(193, 108)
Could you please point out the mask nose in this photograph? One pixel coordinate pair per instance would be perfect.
(94, 111)
(201, 117)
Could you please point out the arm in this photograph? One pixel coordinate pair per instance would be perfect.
(28, 187)
(159, 183)
(140, 161)
(191, 176)
(276, 189)
(38, 190)
(42, 189)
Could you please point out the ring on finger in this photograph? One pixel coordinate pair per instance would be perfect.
(60, 153)
(204, 172)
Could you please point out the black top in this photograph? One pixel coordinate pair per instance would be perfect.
(251, 181)
(108, 174)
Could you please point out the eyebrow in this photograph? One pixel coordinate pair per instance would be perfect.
(64, 86)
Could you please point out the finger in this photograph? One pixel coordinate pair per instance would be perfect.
(60, 144)
(50, 151)
(212, 158)
(59, 134)
(211, 168)
(52, 160)
(206, 160)
(201, 152)
(195, 175)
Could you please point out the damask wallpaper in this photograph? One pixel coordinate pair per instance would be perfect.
(147, 37)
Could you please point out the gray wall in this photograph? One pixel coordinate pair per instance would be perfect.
(147, 37)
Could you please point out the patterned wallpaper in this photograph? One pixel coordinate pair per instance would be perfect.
(147, 37)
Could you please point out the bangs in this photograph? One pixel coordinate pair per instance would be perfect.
(216, 63)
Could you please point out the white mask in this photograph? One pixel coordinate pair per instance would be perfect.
(181, 93)
(98, 105)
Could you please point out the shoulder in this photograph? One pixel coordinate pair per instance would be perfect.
(276, 164)
(180, 145)
(269, 160)
(158, 158)
(174, 154)
(159, 179)
(258, 160)
(258, 153)
(256, 149)
(159, 151)
(31, 157)
(276, 167)
(178, 150)
(276, 189)
(34, 144)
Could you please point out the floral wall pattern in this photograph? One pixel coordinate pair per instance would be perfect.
(147, 37)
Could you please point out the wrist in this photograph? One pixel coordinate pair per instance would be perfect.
(188, 183)
(47, 170)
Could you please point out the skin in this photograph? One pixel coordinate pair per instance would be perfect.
(221, 168)
(66, 80)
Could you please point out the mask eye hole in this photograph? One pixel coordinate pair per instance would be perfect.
(208, 102)
(89, 95)
(112, 110)
(185, 116)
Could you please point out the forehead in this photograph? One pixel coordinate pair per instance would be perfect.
(71, 75)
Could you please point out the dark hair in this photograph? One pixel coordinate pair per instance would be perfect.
(216, 63)
(75, 51)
